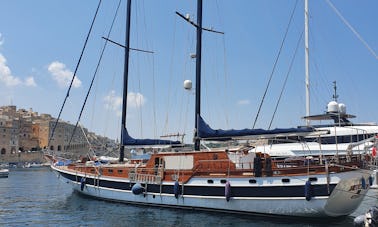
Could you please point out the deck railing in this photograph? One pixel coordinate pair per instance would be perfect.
(147, 177)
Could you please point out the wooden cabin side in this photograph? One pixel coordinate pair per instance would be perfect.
(182, 166)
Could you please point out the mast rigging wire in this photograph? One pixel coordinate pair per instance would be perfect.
(74, 75)
(275, 64)
(352, 29)
(287, 75)
(94, 75)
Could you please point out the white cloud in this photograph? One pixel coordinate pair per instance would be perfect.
(114, 102)
(135, 99)
(62, 75)
(6, 76)
(30, 82)
(244, 102)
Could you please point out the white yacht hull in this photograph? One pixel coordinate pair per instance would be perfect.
(346, 196)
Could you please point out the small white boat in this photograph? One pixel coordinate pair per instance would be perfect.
(4, 173)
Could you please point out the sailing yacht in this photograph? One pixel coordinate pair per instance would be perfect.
(208, 179)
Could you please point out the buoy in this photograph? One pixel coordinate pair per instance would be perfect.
(82, 185)
(308, 190)
(268, 167)
(363, 183)
(257, 167)
(371, 180)
(176, 189)
(374, 152)
(137, 189)
(227, 191)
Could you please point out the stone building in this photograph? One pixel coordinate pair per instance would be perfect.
(28, 139)
(24, 130)
(8, 135)
(63, 140)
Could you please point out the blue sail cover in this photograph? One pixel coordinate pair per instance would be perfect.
(205, 132)
(129, 141)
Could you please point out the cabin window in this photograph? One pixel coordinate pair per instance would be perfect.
(285, 180)
(157, 161)
(210, 181)
(252, 181)
(120, 171)
(223, 181)
(183, 162)
(110, 171)
(313, 179)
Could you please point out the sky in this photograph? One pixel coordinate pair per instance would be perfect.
(41, 42)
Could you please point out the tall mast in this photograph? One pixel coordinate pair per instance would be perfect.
(307, 65)
(125, 80)
(198, 74)
(198, 67)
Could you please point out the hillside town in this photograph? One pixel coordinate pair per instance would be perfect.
(25, 134)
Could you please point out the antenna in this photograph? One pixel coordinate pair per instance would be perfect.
(335, 95)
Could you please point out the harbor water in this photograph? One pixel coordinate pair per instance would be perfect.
(36, 197)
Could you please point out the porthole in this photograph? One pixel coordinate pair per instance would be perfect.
(252, 181)
(313, 179)
(285, 180)
(210, 181)
(223, 181)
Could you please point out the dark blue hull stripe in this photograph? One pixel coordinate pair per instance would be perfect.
(209, 190)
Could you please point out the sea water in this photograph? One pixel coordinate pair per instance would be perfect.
(36, 197)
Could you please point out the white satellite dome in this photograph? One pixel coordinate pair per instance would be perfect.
(333, 107)
(188, 84)
(342, 108)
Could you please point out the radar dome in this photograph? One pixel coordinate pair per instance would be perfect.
(188, 84)
(332, 107)
(342, 108)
